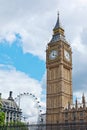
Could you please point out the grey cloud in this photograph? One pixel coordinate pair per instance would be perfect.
(84, 36)
(79, 72)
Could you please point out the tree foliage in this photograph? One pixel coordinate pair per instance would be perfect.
(2, 116)
(17, 125)
(10, 125)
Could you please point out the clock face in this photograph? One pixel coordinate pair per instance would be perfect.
(53, 54)
(67, 55)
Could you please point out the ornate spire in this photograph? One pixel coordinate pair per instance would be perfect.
(83, 99)
(58, 26)
(58, 32)
(57, 23)
(10, 96)
(76, 104)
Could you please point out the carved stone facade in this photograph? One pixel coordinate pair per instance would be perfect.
(11, 109)
(59, 81)
(75, 112)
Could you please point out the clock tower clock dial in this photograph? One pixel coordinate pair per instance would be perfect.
(67, 55)
(53, 54)
(59, 75)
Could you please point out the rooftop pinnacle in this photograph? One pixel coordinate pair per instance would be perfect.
(57, 23)
(58, 32)
(58, 28)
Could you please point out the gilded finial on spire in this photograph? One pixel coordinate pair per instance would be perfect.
(58, 14)
(57, 23)
(58, 18)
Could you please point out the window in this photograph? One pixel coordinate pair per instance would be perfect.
(66, 115)
(7, 114)
(66, 121)
(81, 113)
(74, 116)
(81, 120)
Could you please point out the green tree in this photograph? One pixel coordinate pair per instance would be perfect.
(2, 116)
(17, 125)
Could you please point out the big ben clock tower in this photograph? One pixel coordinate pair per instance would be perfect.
(59, 75)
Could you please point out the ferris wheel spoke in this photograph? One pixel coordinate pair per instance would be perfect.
(34, 98)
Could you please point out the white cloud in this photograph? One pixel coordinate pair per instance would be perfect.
(80, 63)
(19, 82)
(34, 21)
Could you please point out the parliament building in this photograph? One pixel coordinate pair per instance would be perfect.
(59, 100)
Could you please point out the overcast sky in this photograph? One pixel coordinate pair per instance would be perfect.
(25, 29)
